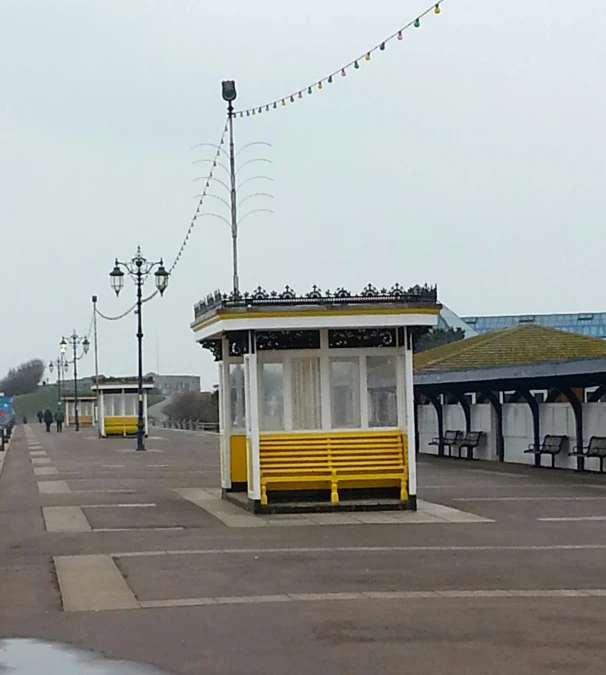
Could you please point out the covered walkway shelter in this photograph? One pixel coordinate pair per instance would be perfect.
(515, 386)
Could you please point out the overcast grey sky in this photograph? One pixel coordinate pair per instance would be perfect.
(470, 154)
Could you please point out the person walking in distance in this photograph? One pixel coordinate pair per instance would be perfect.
(48, 419)
(40, 416)
(59, 419)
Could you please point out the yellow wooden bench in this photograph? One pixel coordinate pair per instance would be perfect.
(85, 420)
(120, 426)
(327, 461)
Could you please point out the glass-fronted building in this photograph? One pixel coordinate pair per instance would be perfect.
(592, 324)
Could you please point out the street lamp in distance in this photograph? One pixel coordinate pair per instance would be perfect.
(139, 269)
(75, 341)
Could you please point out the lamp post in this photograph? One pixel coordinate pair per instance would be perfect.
(61, 365)
(228, 91)
(75, 341)
(139, 269)
(96, 347)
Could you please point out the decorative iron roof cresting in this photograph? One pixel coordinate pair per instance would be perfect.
(288, 297)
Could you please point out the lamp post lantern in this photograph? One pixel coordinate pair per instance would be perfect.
(139, 269)
(75, 340)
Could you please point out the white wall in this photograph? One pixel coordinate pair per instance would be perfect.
(427, 428)
(555, 418)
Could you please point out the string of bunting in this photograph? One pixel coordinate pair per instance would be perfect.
(342, 71)
(90, 325)
(187, 234)
(115, 318)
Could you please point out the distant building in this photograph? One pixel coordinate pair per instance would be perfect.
(175, 384)
(592, 324)
(448, 319)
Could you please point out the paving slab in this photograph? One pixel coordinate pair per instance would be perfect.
(46, 471)
(92, 583)
(65, 519)
(53, 487)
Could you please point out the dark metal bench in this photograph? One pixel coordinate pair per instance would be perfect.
(596, 448)
(469, 440)
(551, 445)
(449, 440)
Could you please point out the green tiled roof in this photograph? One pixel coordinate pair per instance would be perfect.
(522, 345)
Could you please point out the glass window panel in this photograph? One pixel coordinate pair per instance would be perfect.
(306, 394)
(237, 393)
(345, 393)
(112, 408)
(272, 397)
(130, 405)
(382, 391)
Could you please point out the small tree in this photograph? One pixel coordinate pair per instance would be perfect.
(436, 337)
(24, 379)
(201, 406)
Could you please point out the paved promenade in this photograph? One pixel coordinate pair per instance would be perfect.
(133, 555)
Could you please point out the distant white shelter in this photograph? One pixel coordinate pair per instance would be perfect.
(86, 410)
(118, 403)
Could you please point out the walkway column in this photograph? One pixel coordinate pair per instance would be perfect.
(536, 424)
(497, 408)
(437, 404)
(577, 408)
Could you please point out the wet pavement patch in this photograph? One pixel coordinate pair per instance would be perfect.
(25, 657)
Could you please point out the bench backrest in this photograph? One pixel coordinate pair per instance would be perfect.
(301, 453)
(597, 444)
(293, 451)
(451, 435)
(553, 442)
(120, 424)
(472, 437)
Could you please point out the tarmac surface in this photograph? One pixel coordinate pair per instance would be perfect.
(133, 556)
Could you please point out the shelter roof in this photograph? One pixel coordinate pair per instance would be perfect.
(523, 345)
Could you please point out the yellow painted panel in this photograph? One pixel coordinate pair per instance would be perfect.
(238, 465)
